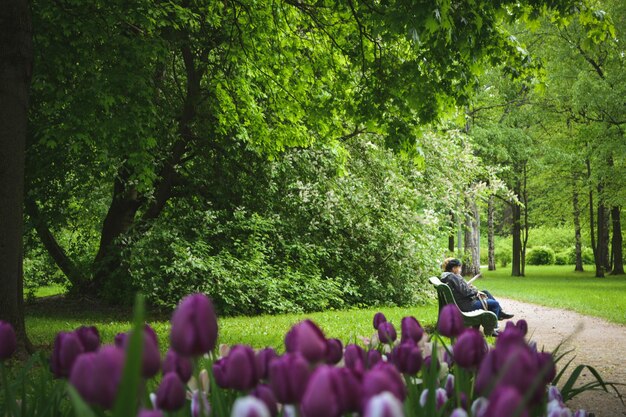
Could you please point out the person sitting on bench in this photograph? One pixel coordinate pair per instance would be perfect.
(466, 296)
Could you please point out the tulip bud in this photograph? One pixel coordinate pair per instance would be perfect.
(458, 412)
(373, 357)
(440, 398)
(263, 359)
(449, 385)
(97, 375)
(249, 407)
(8, 340)
(241, 368)
(89, 337)
(450, 321)
(219, 373)
(150, 413)
(289, 375)
(334, 351)
(67, 347)
(411, 329)
(200, 406)
(320, 398)
(307, 339)
(581, 413)
(479, 407)
(182, 365)
(378, 319)
(264, 393)
(386, 332)
(171, 393)
(554, 394)
(522, 325)
(384, 404)
(383, 377)
(354, 358)
(505, 401)
(407, 357)
(470, 349)
(150, 355)
(194, 326)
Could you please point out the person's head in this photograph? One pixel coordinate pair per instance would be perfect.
(450, 264)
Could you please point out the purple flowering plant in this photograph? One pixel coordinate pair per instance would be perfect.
(416, 374)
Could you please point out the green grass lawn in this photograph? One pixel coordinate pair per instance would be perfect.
(45, 319)
(554, 286)
(561, 287)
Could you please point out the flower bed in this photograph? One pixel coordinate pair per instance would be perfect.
(415, 374)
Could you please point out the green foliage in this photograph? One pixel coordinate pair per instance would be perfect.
(503, 256)
(540, 255)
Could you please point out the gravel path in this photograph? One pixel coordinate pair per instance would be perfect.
(596, 342)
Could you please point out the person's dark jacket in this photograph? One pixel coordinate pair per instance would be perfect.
(463, 294)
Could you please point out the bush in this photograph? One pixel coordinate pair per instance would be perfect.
(561, 259)
(503, 256)
(540, 256)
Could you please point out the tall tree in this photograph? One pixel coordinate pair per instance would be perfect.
(16, 59)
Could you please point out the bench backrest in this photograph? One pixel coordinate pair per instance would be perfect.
(444, 293)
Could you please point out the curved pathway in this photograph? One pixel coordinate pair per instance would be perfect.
(595, 342)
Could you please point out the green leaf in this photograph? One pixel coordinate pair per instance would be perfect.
(80, 406)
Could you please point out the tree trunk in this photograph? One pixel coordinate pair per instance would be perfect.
(471, 264)
(577, 230)
(606, 221)
(600, 254)
(516, 260)
(526, 225)
(451, 236)
(594, 246)
(616, 243)
(67, 266)
(490, 235)
(16, 58)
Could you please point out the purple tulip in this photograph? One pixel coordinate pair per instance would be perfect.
(194, 326)
(8, 340)
(150, 413)
(479, 407)
(334, 351)
(504, 401)
(450, 321)
(382, 377)
(219, 373)
(97, 375)
(348, 389)
(373, 357)
(200, 406)
(428, 363)
(384, 404)
(241, 368)
(171, 394)
(289, 375)
(354, 359)
(249, 407)
(150, 355)
(554, 394)
(263, 359)
(449, 385)
(386, 332)
(411, 329)
(470, 349)
(320, 398)
(546, 366)
(67, 347)
(89, 337)
(378, 319)
(407, 357)
(307, 339)
(522, 325)
(182, 365)
(581, 413)
(441, 397)
(264, 393)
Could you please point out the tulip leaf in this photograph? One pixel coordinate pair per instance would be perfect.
(80, 406)
(568, 391)
(126, 402)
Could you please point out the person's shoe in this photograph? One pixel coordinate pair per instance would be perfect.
(505, 316)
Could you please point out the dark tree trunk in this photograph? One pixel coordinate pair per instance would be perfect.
(577, 230)
(16, 58)
(594, 246)
(606, 221)
(516, 261)
(600, 254)
(490, 235)
(67, 266)
(471, 264)
(616, 243)
(526, 225)
(451, 236)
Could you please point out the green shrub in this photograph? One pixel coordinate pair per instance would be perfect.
(503, 256)
(540, 256)
(561, 258)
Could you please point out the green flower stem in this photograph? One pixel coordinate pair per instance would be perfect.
(7, 392)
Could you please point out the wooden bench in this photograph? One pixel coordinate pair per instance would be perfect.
(475, 318)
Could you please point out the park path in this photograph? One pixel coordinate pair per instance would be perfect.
(596, 342)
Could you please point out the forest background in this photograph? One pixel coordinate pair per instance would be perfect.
(286, 156)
